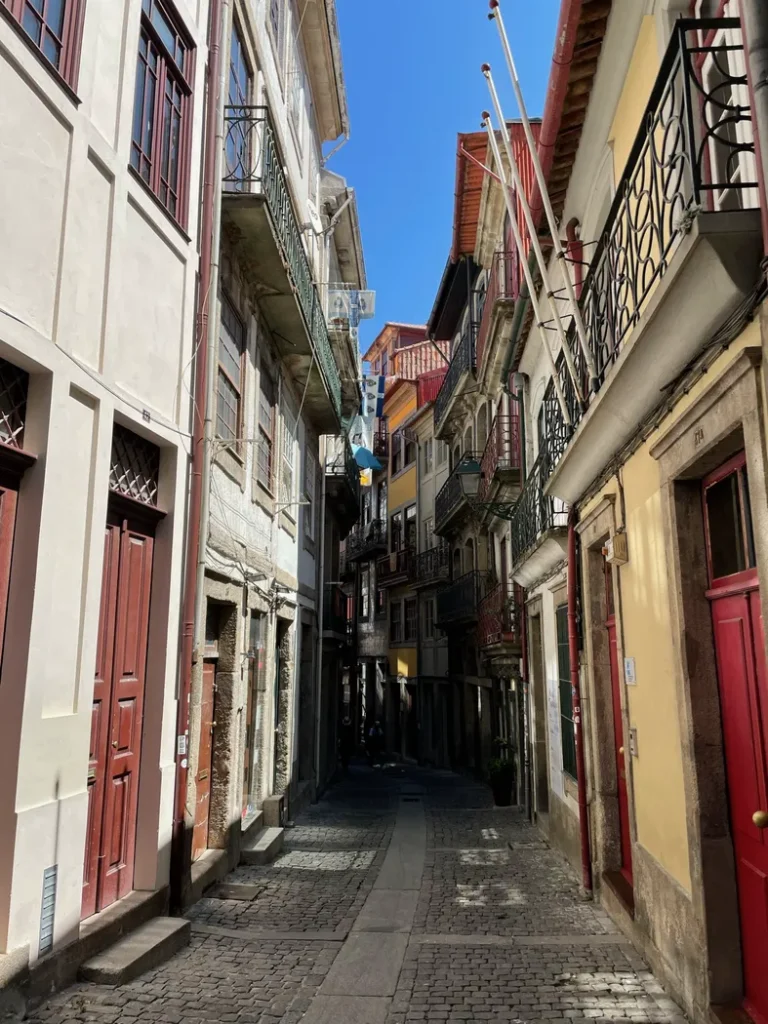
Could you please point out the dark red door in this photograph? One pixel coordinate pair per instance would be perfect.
(116, 718)
(205, 761)
(740, 652)
(618, 731)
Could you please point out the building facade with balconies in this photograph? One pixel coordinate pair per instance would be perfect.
(655, 461)
(284, 487)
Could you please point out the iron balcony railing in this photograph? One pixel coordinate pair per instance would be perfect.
(450, 497)
(412, 361)
(534, 513)
(694, 154)
(253, 164)
(459, 602)
(366, 539)
(499, 616)
(502, 450)
(462, 362)
(381, 443)
(392, 569)
(428, 385)
(431, 566)
(502, 286)
(340, 462)
(335, 609)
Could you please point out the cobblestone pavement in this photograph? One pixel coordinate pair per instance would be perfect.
(496, 932)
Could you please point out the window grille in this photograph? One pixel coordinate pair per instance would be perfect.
(134, 467)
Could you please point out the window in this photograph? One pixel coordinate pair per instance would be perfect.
(296, 90)
(310, 471)
(277, 27)
(429, 619)
(429, 534)
(396, 533)
(367, 501)
(381, 603)
(729, 530)
(566, 697)
(442, 452)
(384, 363)
(365, 592)
(55, 27)
(411, 448)
(237, 145)
(162, 107)
(230, 385)
(427, 456)
(396, 622)
(397, 453)
(382, 505)
(410, 528)
(288, 456)
(411, 619)
(265, 446)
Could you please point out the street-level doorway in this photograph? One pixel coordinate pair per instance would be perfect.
(737, 621)
(625, 838)
(204, 761)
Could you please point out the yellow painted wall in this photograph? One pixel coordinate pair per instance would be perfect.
(646, 616)
(403, 661)
(641, 76)
(402, 489)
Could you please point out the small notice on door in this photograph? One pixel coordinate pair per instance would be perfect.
(630, 676)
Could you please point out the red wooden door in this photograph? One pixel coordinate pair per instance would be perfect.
(740, 653)
(205, 761)
(116, 718)
(618, 732)
(8, 499)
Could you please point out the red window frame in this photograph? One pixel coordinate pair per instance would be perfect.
(67, 41)
(735, 466)
(162, 108)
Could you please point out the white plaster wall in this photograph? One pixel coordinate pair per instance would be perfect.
(97, 289)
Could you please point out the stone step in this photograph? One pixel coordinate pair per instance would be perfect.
(264, 847)
(147, 947)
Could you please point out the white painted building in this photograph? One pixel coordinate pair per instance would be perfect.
(99, 200)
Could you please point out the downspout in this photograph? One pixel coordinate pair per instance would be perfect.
(320, 614)
(209, 220)
(573, 653)
(754, 14)
(518, 399)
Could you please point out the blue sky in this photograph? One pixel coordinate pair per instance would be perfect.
(413, 78)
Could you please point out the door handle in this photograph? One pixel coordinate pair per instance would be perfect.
(760, 819)
(114, 743)
(621, 751)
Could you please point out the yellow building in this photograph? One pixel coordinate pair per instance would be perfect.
(660, 477)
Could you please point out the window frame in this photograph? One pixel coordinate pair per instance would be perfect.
(286, 495)
(310, 489)
(567, 726)
(182, 77)
(396, 628)
(235, 445)
(68, 68)
(365, 592)
(410, 525)
(410, 622)
(429, 618)
(263, 435)
(397, 519)
(428, 453)
(277, 34)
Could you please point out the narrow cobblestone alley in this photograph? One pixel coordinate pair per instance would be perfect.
(402, 897)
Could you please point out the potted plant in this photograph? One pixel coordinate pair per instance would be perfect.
(501, 776)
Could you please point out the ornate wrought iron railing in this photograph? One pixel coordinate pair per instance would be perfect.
(431, 566)
(252, 164)
(462, 361)
(393, 568)
(381, 443)
(451, 496)
(500, 616)
(340, 462)
(502, 286)
(461, 599)
(335, 604)
(502, 450)
(694, 153)
(366, 539)
(534, 512)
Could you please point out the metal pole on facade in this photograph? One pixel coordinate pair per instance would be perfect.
(550, 213)
(526, 269)
(535, 244)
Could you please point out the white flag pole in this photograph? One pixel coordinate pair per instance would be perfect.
(495, 15)
(535, 244)
(524, 264)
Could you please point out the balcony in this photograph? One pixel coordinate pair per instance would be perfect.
(679, 252)
(500, 464)
(428, 386)
(451, 506)
(258, 219)
(498, 311)
(381, 443)
(343, 482)
(538, 528)
(460, 369)
(412, 361)
(460, 601)
(392, 569)
(499, 626)
(336, 619)
(431, 568)
(366, 541)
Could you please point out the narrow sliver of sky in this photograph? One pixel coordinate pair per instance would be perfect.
(412, 70)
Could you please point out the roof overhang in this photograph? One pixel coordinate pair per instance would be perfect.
(452, 296)
(322, 47)
(337, 196)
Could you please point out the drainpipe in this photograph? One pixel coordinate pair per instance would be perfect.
(573, 652)
(320, 614)
(576, 253)
(209, 231)
(754, 16)
(517, 396)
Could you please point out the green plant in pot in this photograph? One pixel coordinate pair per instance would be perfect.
(501, 776)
